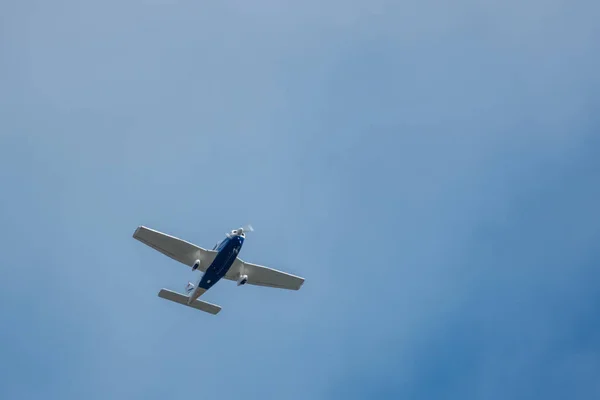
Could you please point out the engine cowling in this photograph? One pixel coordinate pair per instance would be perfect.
(242, 280)
(196, 265)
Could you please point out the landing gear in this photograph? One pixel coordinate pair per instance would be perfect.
(242, 280)
(196, 265)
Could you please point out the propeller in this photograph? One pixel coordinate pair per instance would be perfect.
(244, 229)
(248, 228)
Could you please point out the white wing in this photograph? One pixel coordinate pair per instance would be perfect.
(263, 276)
(179, 250)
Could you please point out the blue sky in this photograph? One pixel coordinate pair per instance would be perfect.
(430, 169)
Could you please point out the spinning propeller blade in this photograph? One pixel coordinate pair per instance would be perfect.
(248, 228)
(244, 229)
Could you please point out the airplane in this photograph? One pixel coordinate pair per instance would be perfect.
(221, 261)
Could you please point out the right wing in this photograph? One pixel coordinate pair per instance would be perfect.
(175, 248)
(263, 276)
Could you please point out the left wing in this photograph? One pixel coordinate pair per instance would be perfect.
(179, 250)
(263, 276)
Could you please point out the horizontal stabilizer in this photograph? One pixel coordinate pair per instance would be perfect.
(182, 299)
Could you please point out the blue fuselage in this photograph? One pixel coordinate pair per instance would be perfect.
(228, 250)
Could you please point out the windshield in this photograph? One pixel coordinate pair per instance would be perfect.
(220, 244)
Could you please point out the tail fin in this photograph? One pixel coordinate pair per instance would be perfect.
(189, 288)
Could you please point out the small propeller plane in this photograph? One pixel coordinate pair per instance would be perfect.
(220, 262)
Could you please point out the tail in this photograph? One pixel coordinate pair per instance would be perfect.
(181, 299)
